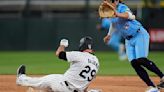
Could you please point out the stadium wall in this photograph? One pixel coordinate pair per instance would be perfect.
(37, 32)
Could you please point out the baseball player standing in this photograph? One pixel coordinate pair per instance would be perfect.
(84, 66)
(137, 43)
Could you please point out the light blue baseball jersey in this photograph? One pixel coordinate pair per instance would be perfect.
(125, 26)
(137, 38)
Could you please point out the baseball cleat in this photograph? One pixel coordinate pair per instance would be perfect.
(21, 70)
(152, 89)
(123, 57)
(94, 90)
(161, 85)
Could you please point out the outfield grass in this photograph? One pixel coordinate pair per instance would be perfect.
(48, 63)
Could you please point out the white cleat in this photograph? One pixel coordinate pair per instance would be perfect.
(152, 89)
(94, 90)
(123, 57)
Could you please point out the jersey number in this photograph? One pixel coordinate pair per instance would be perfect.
(87, 70)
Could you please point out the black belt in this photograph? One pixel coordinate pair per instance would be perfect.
(131, 36)
(66, 83)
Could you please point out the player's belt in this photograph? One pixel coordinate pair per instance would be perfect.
(66, 83)
(131, 36)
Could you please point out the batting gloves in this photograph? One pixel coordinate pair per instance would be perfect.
(64, 42)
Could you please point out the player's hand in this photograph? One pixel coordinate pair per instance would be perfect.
(106, 39)
(116, 13)
(64, 42)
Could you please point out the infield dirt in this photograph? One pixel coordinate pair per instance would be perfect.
(105, 83)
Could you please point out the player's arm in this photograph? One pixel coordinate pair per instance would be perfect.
(67, 56)
(103, 25)
(125, 15)
(60, 52)
(111, 30)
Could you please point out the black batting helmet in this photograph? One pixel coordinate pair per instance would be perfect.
(85, 43)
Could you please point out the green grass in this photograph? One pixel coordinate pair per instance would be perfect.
(48, 63)
(110, 65)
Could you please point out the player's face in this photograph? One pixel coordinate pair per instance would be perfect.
(116, 2)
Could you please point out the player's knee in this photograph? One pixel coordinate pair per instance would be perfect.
(145, 61)
(142, 59)
(135, 63)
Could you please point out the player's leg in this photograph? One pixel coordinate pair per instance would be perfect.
(142, 49)
(122, 52)
(142, 44)
(141, 72)
(49, 82)
(24, 80)
(117, 45)
(152, 67)
(36, 82)
(130, 50)
(131, 53)
(114, 42)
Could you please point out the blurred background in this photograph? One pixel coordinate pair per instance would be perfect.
(27, 25)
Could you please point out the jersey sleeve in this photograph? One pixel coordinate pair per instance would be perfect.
(111, 29)
(124, 8)
(105, 23)
(74, 56)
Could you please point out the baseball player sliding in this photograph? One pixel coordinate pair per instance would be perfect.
(84, 66)
(137, 42)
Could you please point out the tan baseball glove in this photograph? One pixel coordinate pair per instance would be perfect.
(106, 10)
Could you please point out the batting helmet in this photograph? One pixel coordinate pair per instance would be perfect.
(85, 43)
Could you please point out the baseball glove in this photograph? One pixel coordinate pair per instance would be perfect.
(106, 10)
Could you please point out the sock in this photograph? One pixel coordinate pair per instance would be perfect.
(151, 66)
(141, 72)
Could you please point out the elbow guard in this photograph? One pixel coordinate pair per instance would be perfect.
(62, 55)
